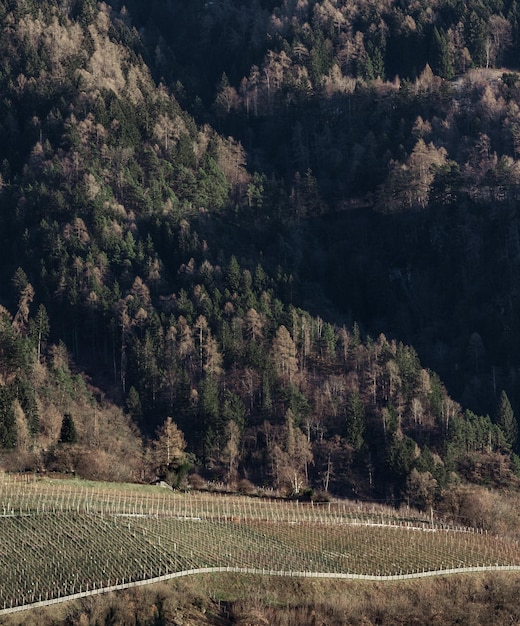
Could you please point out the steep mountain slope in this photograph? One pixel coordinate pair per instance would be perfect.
(180, 279)
(308, 101)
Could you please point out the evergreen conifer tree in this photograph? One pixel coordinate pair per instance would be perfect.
(505, 418)
(68, 433)
(355, 420)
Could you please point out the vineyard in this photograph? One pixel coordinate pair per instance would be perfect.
(64, 538)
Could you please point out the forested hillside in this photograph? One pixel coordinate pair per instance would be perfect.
(290, 227)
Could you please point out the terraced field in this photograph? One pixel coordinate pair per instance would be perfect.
(62, 538)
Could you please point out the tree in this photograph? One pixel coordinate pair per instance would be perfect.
(355, 420)
(232, 275)
(186, 346)
(15, 353)
(201, 326)
(421, 488)
(231, 452)
(298, 454)
(441, 61)
(409, 184)
(26, 396)
(290, 453)
(253, 325)
(212, 357)
(498, 41)
(210, 427)
(19, 281)
(505, 419)
(39, 329)
(169, 452)
(68, 433)
(423, 162)
(133, 405)
(227, 98)
(24, 302)
(401, 453)
(284, 353)
(23, 436)
(478, 39)
(8, 438)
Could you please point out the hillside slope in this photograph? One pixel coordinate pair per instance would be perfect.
(187, 278)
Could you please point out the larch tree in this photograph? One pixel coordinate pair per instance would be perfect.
(231, 452)
(201, 326)
(24, 302)
(23, 436)
(408, 184)
(212, 356)
(186, 345)
(284, 353)
(253, 325)
(298, 454)
(169, 450)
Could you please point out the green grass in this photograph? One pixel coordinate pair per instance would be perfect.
(66, 537)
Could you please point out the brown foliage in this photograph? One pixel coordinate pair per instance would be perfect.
(491, 510)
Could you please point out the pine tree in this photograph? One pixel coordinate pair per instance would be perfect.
(39, 329)
(355, 420)
(68, 433)
(441, 61)
(505, 418)
(232, 275)
(133, 405)
(8, 438)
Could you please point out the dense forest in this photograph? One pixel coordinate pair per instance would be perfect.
(270, 244)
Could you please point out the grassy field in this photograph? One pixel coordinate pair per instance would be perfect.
(63, 537)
